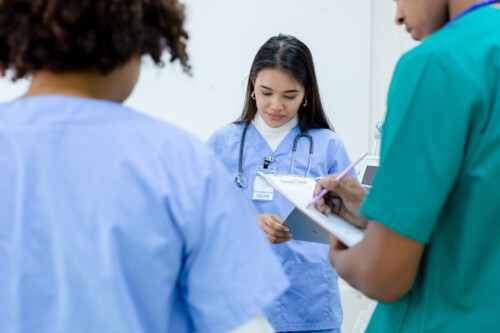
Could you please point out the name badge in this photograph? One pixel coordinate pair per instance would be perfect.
(261, 189)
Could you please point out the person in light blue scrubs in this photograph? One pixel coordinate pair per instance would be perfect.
(111, 221)
(283, 102)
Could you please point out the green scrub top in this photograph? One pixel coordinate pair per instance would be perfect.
(438, 178)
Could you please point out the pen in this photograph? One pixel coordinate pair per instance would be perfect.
(338, 178)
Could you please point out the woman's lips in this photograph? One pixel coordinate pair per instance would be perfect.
(275, 116)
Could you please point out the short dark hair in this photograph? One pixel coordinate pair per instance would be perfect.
(70, 35)
(293, 57)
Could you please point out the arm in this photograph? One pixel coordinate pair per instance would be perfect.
(219, 292)
(384, 264)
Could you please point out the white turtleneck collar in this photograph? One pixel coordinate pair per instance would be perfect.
(274, 136)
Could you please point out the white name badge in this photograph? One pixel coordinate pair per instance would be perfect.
(261, 189)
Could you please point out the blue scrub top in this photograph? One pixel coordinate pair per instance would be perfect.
(313, 301)
(111, 221)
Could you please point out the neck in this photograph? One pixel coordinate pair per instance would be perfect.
(262, 126)
(115, 86)
(455, 7)
(77, 84)
(274, 136)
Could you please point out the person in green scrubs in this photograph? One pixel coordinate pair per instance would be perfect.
(431, 251)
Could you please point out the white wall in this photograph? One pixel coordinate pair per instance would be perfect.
(388, 43)
(224, 38)
(9, 90)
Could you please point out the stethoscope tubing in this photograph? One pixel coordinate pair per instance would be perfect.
(240, 177)
(311, 148)
(242, 142)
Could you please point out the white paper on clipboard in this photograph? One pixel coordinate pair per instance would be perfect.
(299, 191)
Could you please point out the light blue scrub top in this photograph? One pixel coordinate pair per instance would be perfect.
(111, 221)
(313, 301)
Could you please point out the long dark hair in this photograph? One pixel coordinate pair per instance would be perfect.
(293, 57)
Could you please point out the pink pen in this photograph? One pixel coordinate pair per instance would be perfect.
(338, 178)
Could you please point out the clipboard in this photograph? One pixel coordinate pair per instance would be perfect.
(305, 229)
(299, 191)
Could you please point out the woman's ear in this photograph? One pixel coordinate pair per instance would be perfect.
(252, 78)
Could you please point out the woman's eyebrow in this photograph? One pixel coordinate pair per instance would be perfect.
(285, 92)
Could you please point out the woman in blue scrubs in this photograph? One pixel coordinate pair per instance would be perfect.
(282, 102)
(110, 220)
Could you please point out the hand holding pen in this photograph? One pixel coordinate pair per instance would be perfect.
(344, 198)
(338, 178)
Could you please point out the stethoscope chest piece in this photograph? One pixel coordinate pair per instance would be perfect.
(241, 180)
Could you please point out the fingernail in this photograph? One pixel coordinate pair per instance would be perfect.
(286, 229)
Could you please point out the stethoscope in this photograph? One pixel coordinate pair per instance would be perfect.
(240, 178)
(472, 8)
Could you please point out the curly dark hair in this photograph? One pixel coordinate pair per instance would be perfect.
(69, 35)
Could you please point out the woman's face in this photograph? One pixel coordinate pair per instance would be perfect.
(278, 96)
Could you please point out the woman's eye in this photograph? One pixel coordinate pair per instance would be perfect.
(290, 97)
(266, 93)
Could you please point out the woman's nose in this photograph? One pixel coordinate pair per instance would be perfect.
(276, 104)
